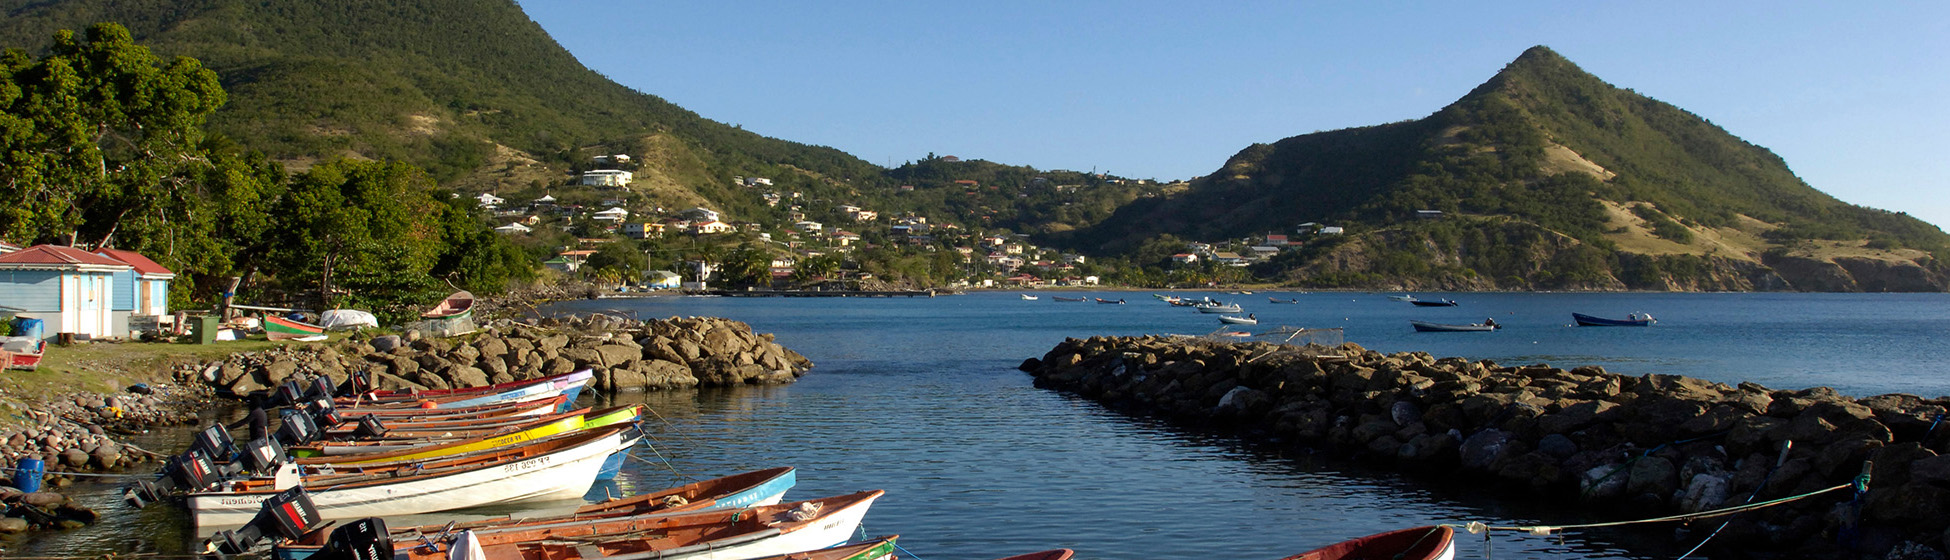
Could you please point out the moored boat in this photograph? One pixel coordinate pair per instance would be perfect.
(1436, 303)
(1237, 320)
(1119, 301)
(339, 455)
(1027, 297)
(559, 467)
(1219, 308)
(1271, 299)
(1420, 543)
(415, 394)
(1058, 554)
(1425, 326)
(21, 352)
(458, 305)
(280, 328)
(1403, 297)
(1061, 298)
(1633, 320)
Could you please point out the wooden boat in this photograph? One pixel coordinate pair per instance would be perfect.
(339, 454)
(1425, 326)
(21, 353)
(416, 394)
(559, 467)
(460, 304)
(1219, 308)
(1237, 320)
(1420, 543)
(1061, 298)
(483, 412)
(1436, 303)
(1118, 301)
(407, 426)
(1633, 320)
(515, 391)
(1027, 297)
(279, 328)
(1271, 299)
(713, 535)
(756, 488)
(1058, 554)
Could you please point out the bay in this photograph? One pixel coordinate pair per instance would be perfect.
(920, 397)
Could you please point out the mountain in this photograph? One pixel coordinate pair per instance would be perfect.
(1545, 177)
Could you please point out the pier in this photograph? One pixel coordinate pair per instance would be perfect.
(823, 293)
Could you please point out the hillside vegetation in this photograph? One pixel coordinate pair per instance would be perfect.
(1546, 177)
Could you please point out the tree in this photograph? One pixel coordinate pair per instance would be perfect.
(370, 222)
(97, 136)
(746, 266)
(815, 267)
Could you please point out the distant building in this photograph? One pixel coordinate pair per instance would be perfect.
(612, 215)
(1331, 230)
(1184, 258)
(1428, 214)
(809, 226)
(701, 214)
(607, 177)
(756, 181)
(643, 230)
(662, 279)
(68, 289)
(489, 201)
(513, 227)
(1276, 240)
(711, 227)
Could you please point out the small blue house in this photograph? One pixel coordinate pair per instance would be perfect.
(68, 289)
(142, 292)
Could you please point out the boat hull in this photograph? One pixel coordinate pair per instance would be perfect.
(830, 530)
(563, 474)
(1219, 309)
(279, 328)
(1238, 320)
(1593, 321)
(1420, 543)
(1423, 326)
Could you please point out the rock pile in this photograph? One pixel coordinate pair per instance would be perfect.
(75, 433)
(627, 355)
(40, 510)
(1653, 443)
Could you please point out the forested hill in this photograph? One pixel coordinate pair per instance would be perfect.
(1546, 177)
(431, 82)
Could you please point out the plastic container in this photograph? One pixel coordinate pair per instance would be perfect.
(27, 475)
(28, 327)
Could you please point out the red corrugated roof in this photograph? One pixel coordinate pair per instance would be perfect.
(58, 255)
(141, 263)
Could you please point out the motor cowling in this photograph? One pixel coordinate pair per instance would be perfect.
(290, 393)
(365, 539)
(215, 442)
(369, 427)
(296, 429)
(263, 454)
(287, 515)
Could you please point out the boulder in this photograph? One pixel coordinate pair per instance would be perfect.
(11, 525)
(1481, 449)
(1652, 475)
(617, 355)
(74, 457)
(43, 499)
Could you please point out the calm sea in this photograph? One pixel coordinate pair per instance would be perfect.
(920, 397)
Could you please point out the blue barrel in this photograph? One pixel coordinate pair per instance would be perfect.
(30, 328)
(27, 475)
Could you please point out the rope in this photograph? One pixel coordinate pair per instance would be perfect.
(1933, 425)
(1542, 530)
(1785, 446)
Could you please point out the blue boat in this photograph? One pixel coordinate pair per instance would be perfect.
(1633, 320)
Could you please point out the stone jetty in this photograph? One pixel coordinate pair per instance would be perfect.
(626, 355)
(1628, 447)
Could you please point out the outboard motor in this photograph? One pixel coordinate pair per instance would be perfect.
(287, 515)
(324, 414)
(369, 427)
(365, 539)
(215, 442)
(321, 388)
(193, 470)
(290, 393)
(263, 455)
(296, 428)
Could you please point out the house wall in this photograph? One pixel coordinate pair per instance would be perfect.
(37, 291)
(124, 282)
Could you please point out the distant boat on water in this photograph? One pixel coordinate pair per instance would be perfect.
(1237, 320)
(1271, 299)
(1436, 303)
(1219, 308)
(1403, 297)
(1061, 298)
(1027, 297)
(1119, 301)
(1425, 326)
(1633, 320)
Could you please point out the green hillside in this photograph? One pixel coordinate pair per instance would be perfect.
(1617, 189)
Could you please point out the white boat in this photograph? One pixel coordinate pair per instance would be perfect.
(1403, 297)
(561, 467)
(1219, 308)
(1237, 320)
(1027, 297)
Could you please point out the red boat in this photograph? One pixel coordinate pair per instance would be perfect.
(21, 353)
(1420, 543)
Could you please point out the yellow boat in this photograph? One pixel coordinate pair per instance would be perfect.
(589, 421)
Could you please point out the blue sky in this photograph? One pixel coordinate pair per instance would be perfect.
(1855, 96)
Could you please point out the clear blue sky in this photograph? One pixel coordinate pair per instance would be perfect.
(1854, 95)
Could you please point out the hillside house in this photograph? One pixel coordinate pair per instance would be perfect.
(1428, 214)
(1184, 258)
(662, 280)
(514, 227)
(809, 226)
(1331, 230)
(1262, 252)
(711, 227)
(546, 201)
(701, 214)
(845, 238)
(489, 201)
(606, 178)
(1230, 259)
(70, 290)
(1276, 240)
(612, 215)
(757, 181)
(642, 230)
(141, 294)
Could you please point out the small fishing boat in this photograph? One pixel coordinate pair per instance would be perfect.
(1633, 320)
(391, 448)
(558, 467)
(1219, 308)
(415, 394)
(280, 328)
(1271, 299)
(1436, 303)
(756, 488)
(1119, 301)
(514, 391)
(20, 352)
(1027, 297)
(753, 532)
(414, 417)
(1237, 320)
(1425, 326)
(1420, 543)
(1058, 554)
(1403, 297)
(1061, 298)
(458, 305)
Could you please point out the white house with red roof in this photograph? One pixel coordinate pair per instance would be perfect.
(141, 292)
(68, 289)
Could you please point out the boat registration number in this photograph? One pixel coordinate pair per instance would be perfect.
(527, 465)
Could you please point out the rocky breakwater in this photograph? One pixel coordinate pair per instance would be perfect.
(1626, 447)
(75, 435)
(626, 355)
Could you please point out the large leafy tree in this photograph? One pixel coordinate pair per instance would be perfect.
(100, 136)
(360, 228)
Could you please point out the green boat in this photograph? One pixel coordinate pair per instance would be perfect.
(279, 328)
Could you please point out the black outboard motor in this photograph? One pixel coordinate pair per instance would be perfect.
(290, 393)
(369, 427)
(287, 515)
(365, 539)
(324, 414)
(193, 470)
(215, 443)
(263, 455)
(321, 388)
(296, 428)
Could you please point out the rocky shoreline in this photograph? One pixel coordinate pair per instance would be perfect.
(75, 436)
(1626, 447)
(625, 354)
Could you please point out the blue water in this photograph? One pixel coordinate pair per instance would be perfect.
(920, 397)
